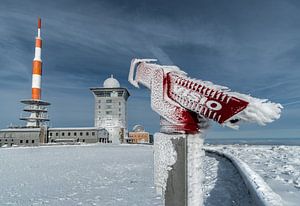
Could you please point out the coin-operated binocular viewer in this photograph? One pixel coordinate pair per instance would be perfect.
(185, 107)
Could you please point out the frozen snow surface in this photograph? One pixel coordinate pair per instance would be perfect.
(103, 175)
(123, 175)
(279, 166)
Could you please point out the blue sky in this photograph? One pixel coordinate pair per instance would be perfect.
(251, 46)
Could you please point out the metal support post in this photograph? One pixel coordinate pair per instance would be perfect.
(178, 168)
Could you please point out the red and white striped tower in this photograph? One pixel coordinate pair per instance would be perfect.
(35, 106)
(37, 65)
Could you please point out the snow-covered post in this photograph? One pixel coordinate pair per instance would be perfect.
(185, 106)
(178, 172)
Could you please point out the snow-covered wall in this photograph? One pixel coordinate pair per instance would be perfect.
(261, 193)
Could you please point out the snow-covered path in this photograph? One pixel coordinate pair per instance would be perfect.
(279, 166)
(223, 184)
(102, 175)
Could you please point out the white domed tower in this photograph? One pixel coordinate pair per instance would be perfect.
(111, 109)
(111, 83)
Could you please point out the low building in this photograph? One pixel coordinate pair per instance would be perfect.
(36, 136)
(21, 136)
(78, 134)
(138, 135)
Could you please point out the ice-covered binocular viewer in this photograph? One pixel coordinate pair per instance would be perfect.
(184, 103)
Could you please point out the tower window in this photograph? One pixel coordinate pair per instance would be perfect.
(50, 134)
(75, 134)
(32, 141)
(69, 133)
(93, 133)
(80, 133)
(56, 134)
(63, 134)
(21, 141)
(108, 112)
(87, 133)
(27, 141)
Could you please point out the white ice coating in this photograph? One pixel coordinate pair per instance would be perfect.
(260, 111)
(164, 157)
(195, 158)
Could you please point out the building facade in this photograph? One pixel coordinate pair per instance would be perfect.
(111, 109)
(43, 135)
(138, 135)
(77, 134)
(21, 136)
(110, 124)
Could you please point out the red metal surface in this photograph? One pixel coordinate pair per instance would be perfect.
(181, 101)
(178, 118)
(204, 100)
(39, 23)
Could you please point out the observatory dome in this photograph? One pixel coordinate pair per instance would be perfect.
(138, 128)
(111, 82)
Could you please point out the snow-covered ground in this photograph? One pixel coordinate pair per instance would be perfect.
(279, 166)
(102, 175)
(77, 175)
(123, 175)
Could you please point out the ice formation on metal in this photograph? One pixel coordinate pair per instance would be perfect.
(195, 155)
(185, 106)
(180, 99)
(164, 157)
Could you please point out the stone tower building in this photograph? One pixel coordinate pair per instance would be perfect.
(111, 109)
